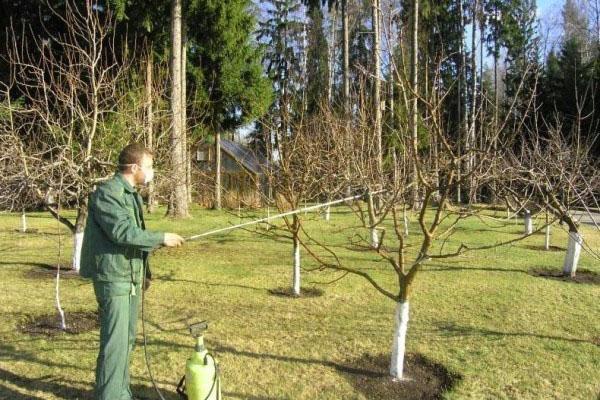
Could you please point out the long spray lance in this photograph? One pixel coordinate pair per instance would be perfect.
(285, 214)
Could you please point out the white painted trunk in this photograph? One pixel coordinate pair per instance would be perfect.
(268, 216)
(77, 242)
(23, 223)
(399, 340)
(61, 312)
(328, 213)
(547, 240)
(296, 277)
(374, 238)
(528, 223)
(405, 224)
(573, 252)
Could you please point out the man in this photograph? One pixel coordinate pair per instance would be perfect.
(115, 256)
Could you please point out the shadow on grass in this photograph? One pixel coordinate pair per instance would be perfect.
(33, 232)
(171, 278)
(450, 329)
(29, 264)
(63, 388)
(445, 268)
(350, 369)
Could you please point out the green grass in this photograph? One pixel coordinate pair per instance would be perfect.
(508, 334)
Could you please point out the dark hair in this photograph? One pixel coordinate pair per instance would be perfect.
(132, 154)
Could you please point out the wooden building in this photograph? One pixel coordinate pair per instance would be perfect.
(242, 173)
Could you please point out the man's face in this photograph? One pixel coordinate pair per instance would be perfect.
(140, 172)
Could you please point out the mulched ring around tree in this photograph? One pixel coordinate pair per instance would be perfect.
(582, 276)
(304, 292)
(48, 271)
(424, 379)
(49, 324)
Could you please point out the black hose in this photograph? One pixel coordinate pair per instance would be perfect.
(145, 339)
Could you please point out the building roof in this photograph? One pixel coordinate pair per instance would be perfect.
(243, 155)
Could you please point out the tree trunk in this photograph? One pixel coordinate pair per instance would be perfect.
(179, 208)
(78, 236)
(217, 205)
(186, 155)
(528, 229)
(149, 128)
(372, 219)
(377, 84)
(296, 254)
(59, 309)
(399, 340)
(346, 56)
(573, 252)
(414, 103)
(462, 100)
(331, 58)
(470, 142)
(23, 222)
(547, 236)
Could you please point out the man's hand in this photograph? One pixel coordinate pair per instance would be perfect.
(173, 240)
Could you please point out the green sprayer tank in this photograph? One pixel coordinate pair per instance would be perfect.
(201, 380)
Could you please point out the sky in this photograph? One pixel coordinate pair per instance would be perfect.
(549, 14)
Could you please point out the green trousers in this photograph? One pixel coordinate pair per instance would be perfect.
(118, 308)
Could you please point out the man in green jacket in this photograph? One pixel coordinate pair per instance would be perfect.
(114, 255)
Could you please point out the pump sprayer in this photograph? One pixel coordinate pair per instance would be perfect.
(202, 380)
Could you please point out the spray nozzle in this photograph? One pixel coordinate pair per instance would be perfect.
(197, 329)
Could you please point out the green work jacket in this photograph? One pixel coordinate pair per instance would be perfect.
(115, 242)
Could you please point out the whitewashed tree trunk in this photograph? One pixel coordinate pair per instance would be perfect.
(528, 223)
(399, 340)
(23, 223)
(296, 277)
(547, 239)
(374, 238)
(77, 242)
(573, 252)
(405, 219)
(268, 216)
(327, 216)
(61, 312)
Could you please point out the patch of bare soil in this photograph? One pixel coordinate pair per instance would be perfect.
(542, 248)
(424, 379)
(28, 230)
(304, 292)
(45, 271)
(49, 324)
(582, 276)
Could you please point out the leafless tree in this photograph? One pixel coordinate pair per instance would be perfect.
(63, 114)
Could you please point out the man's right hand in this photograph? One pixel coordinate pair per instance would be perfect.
(173, 240)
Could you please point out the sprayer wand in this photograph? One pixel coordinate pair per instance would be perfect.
(285, 214)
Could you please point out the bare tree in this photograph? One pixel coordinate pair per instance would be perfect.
(63, 124)
(383, 233)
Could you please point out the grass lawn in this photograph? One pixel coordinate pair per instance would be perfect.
(508, 334)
